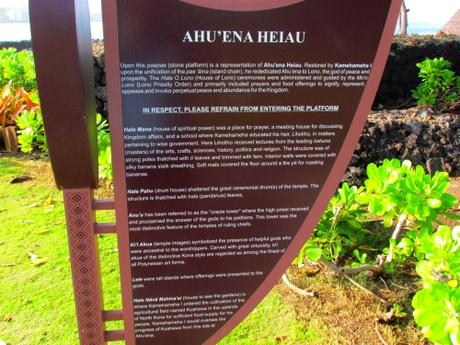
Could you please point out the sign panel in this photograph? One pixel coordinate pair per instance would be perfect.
(229, 120)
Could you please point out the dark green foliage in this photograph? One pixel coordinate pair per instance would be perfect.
(341, 225)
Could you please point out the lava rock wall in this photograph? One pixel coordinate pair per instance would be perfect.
(401, 72)
(431, 141)
(398, 81)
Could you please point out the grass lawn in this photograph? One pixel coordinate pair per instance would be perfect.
(36, 296)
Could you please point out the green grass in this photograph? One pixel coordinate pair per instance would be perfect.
(273, 323)
(36, 302)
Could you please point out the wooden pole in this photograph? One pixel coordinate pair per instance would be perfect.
(84, 259)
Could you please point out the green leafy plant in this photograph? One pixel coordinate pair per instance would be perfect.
(382, 190)
(398, 311)
(437, 305)
(31, 132)
(105, 164)
(361, 257)
(17, 68)
(398, 193)
(395, 194)
(14, 101)
(409, 201)
(309, 251)
(340, 228)
(396, 190)
(104, 148)
(439, 85)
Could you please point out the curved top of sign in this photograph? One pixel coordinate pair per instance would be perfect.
(242, 5)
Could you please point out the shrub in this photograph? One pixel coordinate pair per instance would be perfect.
(411, 201)
(17, 68)
(13, 102)
(341, 225)
(104, 149)
(31, 132)
(439, 85)
(437, 305)
(395, 194)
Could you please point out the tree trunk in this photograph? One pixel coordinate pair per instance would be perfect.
(9, 138)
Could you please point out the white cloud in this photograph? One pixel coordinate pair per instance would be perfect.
(95, 6)
(14, 3)
(436, 12)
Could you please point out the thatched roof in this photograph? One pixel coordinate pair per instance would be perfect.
(453, 25)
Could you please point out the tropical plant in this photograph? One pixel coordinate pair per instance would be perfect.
(439, 85)
(395, 194)
(12, 103)
(104, 149)
(411, 202)
(437, 305)
(31, 132)
(340, 228)
(17, 68)
(399, 193)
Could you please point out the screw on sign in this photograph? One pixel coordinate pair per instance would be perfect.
(232, 123)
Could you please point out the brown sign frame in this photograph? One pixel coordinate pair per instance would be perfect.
(62, 27)
(61, 40)
(115, 106)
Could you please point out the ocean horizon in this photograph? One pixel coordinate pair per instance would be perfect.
(15, 32)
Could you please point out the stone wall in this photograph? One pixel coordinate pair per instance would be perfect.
(401, 72)
(20, 45)
(399, 78)
(432, 141)
(100, 79)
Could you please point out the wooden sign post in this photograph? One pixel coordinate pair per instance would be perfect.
(232, 124)
(61, 41)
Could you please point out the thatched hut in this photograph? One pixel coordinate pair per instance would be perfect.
(453, 25)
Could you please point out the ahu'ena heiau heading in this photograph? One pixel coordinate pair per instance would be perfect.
(226, 36)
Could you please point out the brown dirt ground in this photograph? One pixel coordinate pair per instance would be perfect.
(454, 189)
(352, 312)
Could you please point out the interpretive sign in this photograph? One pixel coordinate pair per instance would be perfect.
(232, 123)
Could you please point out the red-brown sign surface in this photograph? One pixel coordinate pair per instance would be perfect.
(232, 124)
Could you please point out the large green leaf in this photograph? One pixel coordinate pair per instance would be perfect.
(435, 313)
